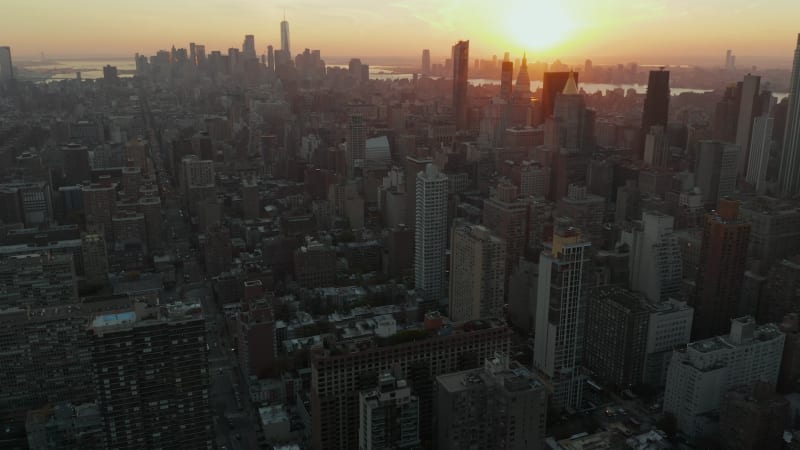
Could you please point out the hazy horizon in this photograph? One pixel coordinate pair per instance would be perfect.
(609, 32)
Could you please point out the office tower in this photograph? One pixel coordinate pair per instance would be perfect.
(656, 103)
(616, 335)
(500, 406)
(130, 231)
(426, 62)
(76, 163)
(760, 145)
(656, 148)
(35, 203)
(315, 264)
(356, 144)
(6, 68)
(715, 171)
(522, 290)
(523, 87)
(477, 273)
(35, 279)
(568, 129)
(287, 52)
(270, 58)
(507, 216)
(251, 201)
(150, 207)
(354, 68)
(780, 292)
(789, 172)
(774, 233)
(585, 211)
(561, 315)
(460, 84)
(99, 204)
(700, 374)
(506, 80)
(95, 258)
(669, 326)
(655, 257)
(249, 47)
(552, 84)
(389, 415)
(131, 182)
(45, 359)
(255, 332)
(110, 74)
(748, 108)
(430, 237)
(753, 417)
(723, 257)
(726, 114)
(150, 365)
(192, 53)
(336, 376)
(789, 377)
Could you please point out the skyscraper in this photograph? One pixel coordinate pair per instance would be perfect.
(760, 144)
(656, 104)
(568, 130)
(270, 58)
(460, 83)
(6, 68)
(426, 62)
(715, 171)
(523, 86)
(655, 257)
(477, 273)
(430, 233)
(249, 47)
(507, 80)
(748, 108)
(151, 369)
(789, 173)
(723, 255)
(389, 415)
(356, 143)
(552, 84)
(560, 316)
(285, 39)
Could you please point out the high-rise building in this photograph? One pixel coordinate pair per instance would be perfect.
(150, 365)
(723, 258)
(715, 171)
(76, 163)
(507, 216)
(655, 257)
(668, 327)
(523, 87)
(568, 128)
(95, 258)
(774, 232)
(460, 84)
(249, 47)
(561, 315)
(430, 237)
(426, 62)
(789, 172)
(552, 84)
(748, 108)
(656, 104)
(270, 58)
(616, 336)
(6, 68)
(389, 416)
(477, 273)
(251, 202)
(586, 212)
(753, 417)
(356, 143)
(64, 425)
(506, 79)
(501, 406)
(285, 48)
(656, 147)
(726, 114)
(336, 375)
(700, 374)
(760, 146)
(315, 264)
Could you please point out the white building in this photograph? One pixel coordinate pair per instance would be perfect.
(560, 316)
(669, 326)
(430, 233)
(655, 257)
(700, 374)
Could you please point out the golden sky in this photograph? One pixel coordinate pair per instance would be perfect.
(648, 31)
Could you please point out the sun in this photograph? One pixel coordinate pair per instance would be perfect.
(538, 24)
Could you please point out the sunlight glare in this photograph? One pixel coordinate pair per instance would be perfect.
(538, 24)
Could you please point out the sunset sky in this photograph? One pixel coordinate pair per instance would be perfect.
(649, 31)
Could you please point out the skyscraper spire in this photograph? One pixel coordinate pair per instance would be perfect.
(523, 86)
(571, 88)
(788, 175)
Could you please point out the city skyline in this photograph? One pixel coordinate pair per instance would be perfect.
(574, 29)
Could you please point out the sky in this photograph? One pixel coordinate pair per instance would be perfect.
(760, 33)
